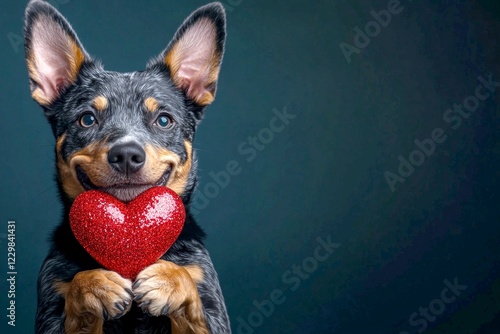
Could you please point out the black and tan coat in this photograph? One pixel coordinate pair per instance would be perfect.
(123, 133)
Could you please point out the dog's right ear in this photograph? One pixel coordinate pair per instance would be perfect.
(54, 54)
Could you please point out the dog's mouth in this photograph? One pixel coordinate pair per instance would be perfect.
(126, 190)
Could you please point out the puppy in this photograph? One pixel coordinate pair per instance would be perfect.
(123, 133)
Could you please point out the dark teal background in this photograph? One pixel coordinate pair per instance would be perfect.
(323, 175)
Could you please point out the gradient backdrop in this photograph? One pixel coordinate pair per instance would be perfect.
(322, 175)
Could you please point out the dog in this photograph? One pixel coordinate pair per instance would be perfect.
(123, 133)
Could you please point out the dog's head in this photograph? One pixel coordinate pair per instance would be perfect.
(123, 132)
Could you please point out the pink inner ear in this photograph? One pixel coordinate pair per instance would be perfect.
(51, 54)
(196, 52)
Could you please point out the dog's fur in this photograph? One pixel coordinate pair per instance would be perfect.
(149, 118)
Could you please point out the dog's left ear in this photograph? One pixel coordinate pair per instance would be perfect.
(194, 56)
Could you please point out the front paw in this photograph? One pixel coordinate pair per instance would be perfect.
(165, 288)
(98, 294)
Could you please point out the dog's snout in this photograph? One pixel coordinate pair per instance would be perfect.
(126, 158)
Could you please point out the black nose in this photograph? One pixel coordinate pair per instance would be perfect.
(126, 158)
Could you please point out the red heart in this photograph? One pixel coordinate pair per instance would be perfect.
(126, 238)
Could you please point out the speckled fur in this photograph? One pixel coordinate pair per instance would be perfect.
(124, 91)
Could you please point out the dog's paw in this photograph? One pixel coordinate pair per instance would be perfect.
(165, 288)
(97, 294)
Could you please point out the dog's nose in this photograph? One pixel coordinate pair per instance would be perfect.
(126, 158)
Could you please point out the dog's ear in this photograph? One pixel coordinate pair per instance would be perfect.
(194, 55)
(54, 54)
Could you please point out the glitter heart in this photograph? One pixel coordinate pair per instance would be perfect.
(126, 238)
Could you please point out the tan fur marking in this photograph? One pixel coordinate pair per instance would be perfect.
(33, 73)
(195, 272)
(62, 288)
(100, 103)
(179, 179)
(70, 183)
(88, 294)
(206, 99)
(37, 94)
(167, 284)
(76, 60)
(159, 159)
(173, 62)
(151, 104)
(40, 98)
(93, 160)
(209, 96)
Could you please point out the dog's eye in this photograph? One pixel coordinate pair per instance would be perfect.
(163, 121)
(87, 120)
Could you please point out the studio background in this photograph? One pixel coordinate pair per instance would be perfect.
(322, 176)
